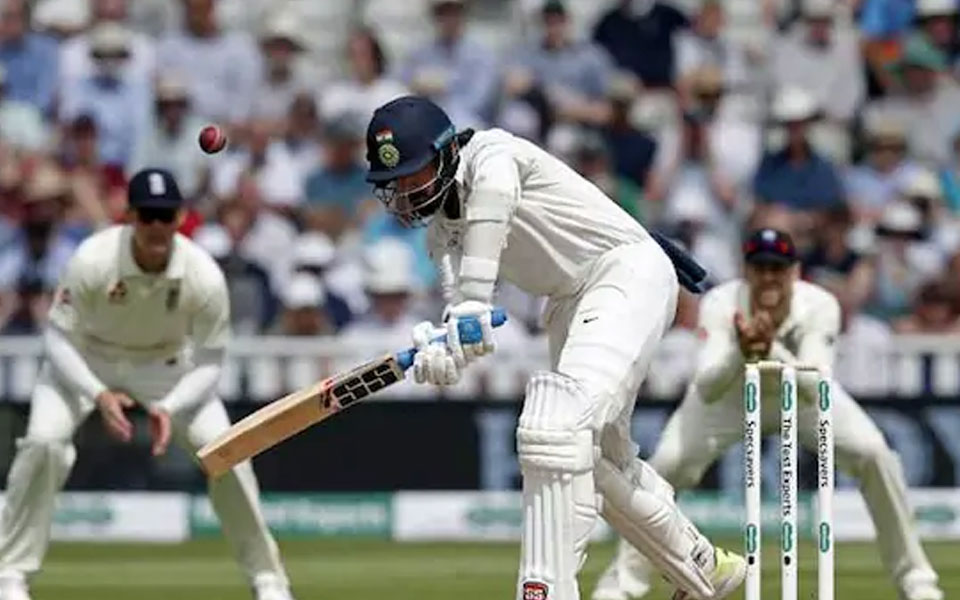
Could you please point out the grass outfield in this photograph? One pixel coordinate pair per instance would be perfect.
(377, 570)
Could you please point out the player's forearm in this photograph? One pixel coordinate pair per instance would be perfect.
(718, 371)
(196, 386)
(481, 258)
(70, 364)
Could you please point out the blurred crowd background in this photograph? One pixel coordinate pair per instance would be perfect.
(838, 121)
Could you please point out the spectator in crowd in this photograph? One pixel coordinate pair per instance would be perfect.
(337, 194)
(259, 235)
(252, 305)
(382, 225)
(691, 219)
(704, 46)
(950, 178)
(633, 150)
(314, 253)
(797, 176)
(457, 73)
(904, 262)
(934, 311)
(21, 124)
(591, 158)
(302, 135)
(389, 284)
(170, 142)
(834, 265)
(41, 247)
(60, 19)
(98, 187)
(29, 58)
(877, 179)
(220, 68)
(367, 84)
(883, 25)
(281, 43)
(75, 53)
(927, 104)
(823, 58)
(734, 141)
(639, 35)
(923, 191)
(572, 75)
(937, 20)
(119, 107)
(268, 160)
(303, 308)
(31, 303)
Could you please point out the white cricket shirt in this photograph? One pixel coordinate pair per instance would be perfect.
(109, 307)
(529, 218)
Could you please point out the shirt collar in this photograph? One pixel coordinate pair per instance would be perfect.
(129, 268)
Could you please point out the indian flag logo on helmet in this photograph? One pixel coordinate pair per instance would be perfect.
(388, 153)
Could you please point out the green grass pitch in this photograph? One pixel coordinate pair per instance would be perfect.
(376, 570)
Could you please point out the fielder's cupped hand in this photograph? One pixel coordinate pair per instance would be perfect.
(755, 335)
(464, 353)
(111, 406)
(433, 362)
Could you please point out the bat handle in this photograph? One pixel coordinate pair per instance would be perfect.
(470, 333)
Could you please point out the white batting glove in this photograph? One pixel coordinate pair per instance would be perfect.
(424, 333)
(465, 353)
(434, 364)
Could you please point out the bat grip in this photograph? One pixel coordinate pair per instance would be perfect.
(470, 330)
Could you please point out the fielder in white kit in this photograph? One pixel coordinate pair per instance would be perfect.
(140, 316)
(770, 314)
(499, 206)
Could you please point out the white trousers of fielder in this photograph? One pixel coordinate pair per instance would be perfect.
(697, 434)
(45, 455)
(573, 438)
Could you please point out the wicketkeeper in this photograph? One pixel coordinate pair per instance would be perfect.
(771, 314)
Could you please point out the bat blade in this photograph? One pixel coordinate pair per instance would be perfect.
(288, 416)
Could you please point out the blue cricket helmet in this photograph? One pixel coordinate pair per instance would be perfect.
(404, 135)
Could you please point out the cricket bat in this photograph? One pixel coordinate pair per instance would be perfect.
(288, 416)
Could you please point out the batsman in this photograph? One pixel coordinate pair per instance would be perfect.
(497, 206)
(771, 314)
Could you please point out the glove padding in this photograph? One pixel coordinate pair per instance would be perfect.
(433, 362)
(466, 353)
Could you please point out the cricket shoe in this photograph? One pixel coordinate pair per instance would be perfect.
(267, 586)
(13, 586)
(728, 573)
(917, 584)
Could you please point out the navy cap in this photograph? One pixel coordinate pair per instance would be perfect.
(404, 136)
(770, 246)
(154, 188)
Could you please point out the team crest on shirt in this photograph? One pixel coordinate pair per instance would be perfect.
(117, 293)
(173, 296)
(534, 590)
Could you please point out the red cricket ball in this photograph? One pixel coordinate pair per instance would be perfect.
(212, 139)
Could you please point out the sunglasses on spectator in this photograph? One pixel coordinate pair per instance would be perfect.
(149, 214)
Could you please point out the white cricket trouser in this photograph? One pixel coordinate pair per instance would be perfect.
(46, 453)
(604, 338)
(698, 433)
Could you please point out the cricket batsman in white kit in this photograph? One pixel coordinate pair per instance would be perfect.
(141, 316)
(499, 206)
(771, 314)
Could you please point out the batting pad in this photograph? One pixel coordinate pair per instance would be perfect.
(641, 508)
(555, 448)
